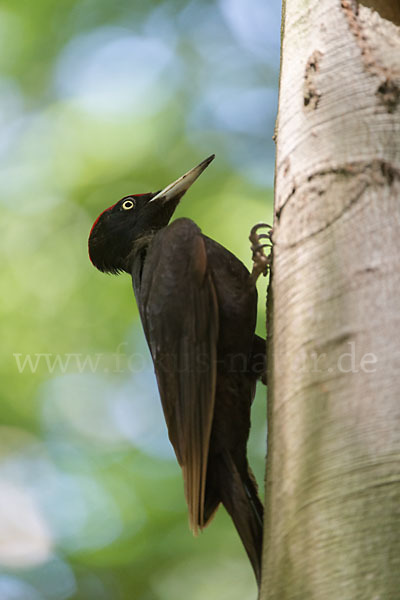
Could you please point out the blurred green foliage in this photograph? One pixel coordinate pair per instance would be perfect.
(99, 100)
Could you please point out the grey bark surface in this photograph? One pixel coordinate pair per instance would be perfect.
(332, 520)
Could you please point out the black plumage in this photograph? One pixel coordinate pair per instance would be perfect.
(198, 304)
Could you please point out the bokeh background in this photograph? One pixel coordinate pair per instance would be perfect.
(98, 100)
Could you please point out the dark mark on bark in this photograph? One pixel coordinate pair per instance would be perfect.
(368, 173)
(388, 92)
(311, 96)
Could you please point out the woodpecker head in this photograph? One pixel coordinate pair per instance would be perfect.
(114, 232)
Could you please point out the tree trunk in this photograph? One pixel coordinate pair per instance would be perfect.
(332, 522)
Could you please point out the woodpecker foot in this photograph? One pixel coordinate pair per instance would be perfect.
(261, 262)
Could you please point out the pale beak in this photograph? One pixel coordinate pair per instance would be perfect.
(180, 186)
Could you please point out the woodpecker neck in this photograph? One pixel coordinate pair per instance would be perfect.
(139, 249)
(137, 257)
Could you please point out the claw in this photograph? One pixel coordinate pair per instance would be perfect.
(264, 236)
(260, 260)
(258, 226)
(260, 247)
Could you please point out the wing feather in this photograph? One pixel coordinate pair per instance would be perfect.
(179, 310)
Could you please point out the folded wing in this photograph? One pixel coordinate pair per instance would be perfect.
(179, 311)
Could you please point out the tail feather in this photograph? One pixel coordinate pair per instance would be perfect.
(239, 496)
(211, 502)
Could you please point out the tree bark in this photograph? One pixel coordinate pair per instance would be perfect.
(332, 520)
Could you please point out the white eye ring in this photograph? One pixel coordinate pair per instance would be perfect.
(127, 205)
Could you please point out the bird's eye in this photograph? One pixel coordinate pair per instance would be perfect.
(128, 204)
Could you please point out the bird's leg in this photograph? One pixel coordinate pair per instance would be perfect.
(261, 262)
(261, 265)
(258, 359)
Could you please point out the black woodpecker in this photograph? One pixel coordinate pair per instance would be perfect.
(198, 305)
